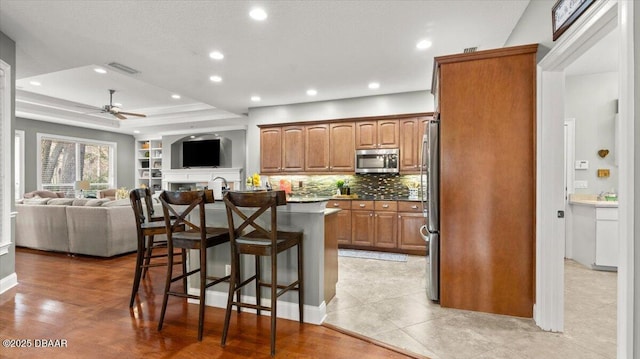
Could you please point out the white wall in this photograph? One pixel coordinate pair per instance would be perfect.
(382, 105)
(591, 100)
(534, 27)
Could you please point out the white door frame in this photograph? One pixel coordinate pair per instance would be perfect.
(569, 177)
(599, 20)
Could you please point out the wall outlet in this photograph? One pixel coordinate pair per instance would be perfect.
(227, 269)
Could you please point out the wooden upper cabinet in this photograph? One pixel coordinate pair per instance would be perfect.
(316, 148)
(410, 145)
(366, 134)
(293, 148)
(388, 133)
(377, 134)
(342, 145)
(270, 149)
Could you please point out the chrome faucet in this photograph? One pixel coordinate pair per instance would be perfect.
(225, 186)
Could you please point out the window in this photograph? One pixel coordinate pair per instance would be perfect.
(65, 160)
(19, 164)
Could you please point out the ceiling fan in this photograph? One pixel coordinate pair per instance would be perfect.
(116, 111)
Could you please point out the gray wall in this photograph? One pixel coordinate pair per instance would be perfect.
(125, 155)
(392, 104)
(591, 100)
(8, 55)
(534, 27)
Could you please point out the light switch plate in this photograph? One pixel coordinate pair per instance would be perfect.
(580, 184)
(582, 165)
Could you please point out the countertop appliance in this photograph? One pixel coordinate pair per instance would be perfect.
(377, 161)
(429, 180)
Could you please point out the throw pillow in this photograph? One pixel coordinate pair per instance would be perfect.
(36, 200)
(60, 201)
(44, 194)
(117, 203)
(96, 202)
(80, 201)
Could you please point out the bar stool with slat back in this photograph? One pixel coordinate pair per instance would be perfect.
(148, 226)
(250, 206)
(196, 237)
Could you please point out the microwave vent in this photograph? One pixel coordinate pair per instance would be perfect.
(470, 49)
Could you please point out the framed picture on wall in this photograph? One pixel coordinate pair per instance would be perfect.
(565, 12)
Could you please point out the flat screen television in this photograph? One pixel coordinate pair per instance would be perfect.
(204, 153)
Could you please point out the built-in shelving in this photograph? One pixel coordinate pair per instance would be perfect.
(149, 164)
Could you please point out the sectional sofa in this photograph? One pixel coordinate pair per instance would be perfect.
(95, 227)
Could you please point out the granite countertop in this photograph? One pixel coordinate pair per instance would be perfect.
(295, 199)
(591, 200)
(378, 198)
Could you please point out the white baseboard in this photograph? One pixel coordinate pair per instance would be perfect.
(286, 310)
(8, 282)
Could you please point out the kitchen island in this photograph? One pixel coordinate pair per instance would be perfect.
(307, 215)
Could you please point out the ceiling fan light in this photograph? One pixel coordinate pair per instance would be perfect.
(100, 70)
(258, 14)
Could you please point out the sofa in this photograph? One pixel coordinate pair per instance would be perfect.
(95, 227)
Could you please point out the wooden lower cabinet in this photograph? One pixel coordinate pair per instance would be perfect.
(386, 230)
(409, 231)
(343, 232)
(362, 229)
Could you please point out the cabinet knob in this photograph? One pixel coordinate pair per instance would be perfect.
(414, 207)
(385, 206)
(361, 205)
(336, 204)
(370, 214)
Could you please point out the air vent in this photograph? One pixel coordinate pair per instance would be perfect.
(470, 49)
(124, 68)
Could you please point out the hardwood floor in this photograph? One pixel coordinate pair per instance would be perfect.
(85, 301)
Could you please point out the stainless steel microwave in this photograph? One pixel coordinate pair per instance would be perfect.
(377, 161)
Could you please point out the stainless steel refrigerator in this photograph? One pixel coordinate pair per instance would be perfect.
(429, 180)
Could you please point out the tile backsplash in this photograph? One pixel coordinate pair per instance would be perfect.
(378, 185)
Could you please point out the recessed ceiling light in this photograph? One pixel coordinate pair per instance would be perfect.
(35, 83)
(374, 85)
(216, 55)
(192, 136)
(117, 104)
(423, 44)
(100, 70)
(255, 98)
(215, 78)
(175, 96)
(312, 92)
(258, 14)
(136, 131)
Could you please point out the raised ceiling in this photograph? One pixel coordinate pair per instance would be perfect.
(335, 47)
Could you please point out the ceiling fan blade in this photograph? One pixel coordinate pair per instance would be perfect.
(132, 114)
(118, 115)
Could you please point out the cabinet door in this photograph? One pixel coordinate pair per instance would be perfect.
(388, 133)
(366, 134)
(316, 148)
(607, 237)
(343, 231)
(409, 231)
(362, 230)
(270, 149)
(386, 229)
(293, 148)
(341, 150)
(410, 144)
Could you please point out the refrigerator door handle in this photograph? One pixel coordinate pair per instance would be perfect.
(424, 233)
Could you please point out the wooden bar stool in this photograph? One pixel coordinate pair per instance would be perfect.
(192, 236)
(148, 226)
(259, 242)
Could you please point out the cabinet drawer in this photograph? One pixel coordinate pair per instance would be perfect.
(344, 204)
(386, 206)
(409, 206)
(609, 214)
(362, 205)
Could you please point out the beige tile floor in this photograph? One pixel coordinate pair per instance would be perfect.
(387, 301)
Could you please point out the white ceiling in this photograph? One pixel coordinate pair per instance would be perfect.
(336, 47)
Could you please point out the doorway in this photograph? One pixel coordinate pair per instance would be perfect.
(587, 31)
